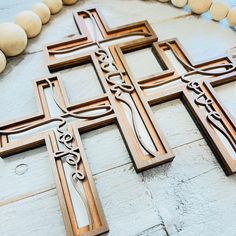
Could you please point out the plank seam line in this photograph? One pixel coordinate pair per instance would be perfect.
(25, 196)
(130, 162)
(193, 141)
(171, 18)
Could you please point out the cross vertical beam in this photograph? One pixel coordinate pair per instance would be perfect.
(142, 136)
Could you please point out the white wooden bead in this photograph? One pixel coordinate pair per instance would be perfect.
(179, 3)
(69, 2)
(42, 11)
(30, 22)
(232, 17)
(199, 6)
(13, 39)
(54, 5)
(219, 11)
(3, 62)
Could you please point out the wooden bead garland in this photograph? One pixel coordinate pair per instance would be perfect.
(13, 39)
(219, 11)
(3, 61)
(42, 11)
(179, 3)
(69, 2)
(199, 6)
(30, 22)
(54, 5)
(231, 17)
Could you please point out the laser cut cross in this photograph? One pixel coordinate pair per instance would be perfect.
(215, 123)
(143, 138)
(125, 101)
(80, 205)
(194, 82)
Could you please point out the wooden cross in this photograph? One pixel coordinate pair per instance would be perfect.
(194, 84)
(215, 123)
(143, 138)
(73, 179)
(62, 137)
(126, 101)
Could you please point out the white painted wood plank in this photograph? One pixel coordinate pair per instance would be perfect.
(105, 149)
(203, 205)
(38, 215)
(158, 230)
(176, 123)
(202, 38)
(126, 201)
(81, 83)
(227, 94)
(142, 63)
(17, 93)
(25, 173)
(186, 207)
(152, 11)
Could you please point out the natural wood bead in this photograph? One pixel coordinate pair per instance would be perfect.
(232, 17)
(30, 22)
(199, 6)
(179, 3)
(69, 2)
(54, 5)
(13, 39)
(42, 11)
(163, 0)
(219, 11)
(3, 62)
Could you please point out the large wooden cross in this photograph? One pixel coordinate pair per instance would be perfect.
(125, 101)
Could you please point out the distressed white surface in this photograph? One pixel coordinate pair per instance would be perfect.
(78, 77)
(190, 196)
(17, 171)
(227, 94)
(97, 141)
(127, 213)
(149, 67)
(37, 215)
(185, 131)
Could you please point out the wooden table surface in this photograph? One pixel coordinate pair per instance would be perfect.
(190, 196)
